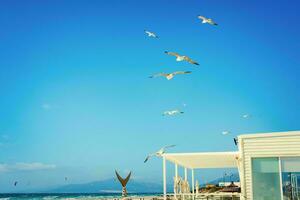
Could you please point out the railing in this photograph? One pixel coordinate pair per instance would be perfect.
(295, 188)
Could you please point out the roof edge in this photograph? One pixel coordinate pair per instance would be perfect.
(201, 153)
(270, 134)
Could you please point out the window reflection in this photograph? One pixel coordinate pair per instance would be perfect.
(266, 179)
(291, 178)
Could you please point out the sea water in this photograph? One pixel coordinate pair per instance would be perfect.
(76, 196)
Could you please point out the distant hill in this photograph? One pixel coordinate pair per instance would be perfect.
(113, 186)
(109, 186)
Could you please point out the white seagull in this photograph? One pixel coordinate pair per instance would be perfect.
(225, 132)
(159, 153)
(172, 112)
(182, 58)
(246, 116)
(169, 76)
(151, 34)
(207, 20)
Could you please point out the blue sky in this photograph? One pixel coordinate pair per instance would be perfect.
(76, 100)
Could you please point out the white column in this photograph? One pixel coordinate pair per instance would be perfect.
(185, 178)
(240, 160)
(193, 182)
(164, 178)
(176, 179)
(280, 178)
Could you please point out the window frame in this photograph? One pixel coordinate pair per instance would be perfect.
(280, 170)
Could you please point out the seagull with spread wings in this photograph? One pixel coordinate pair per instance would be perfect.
(159, 153)
(225, 132)
(169, 76)
(181, 58)
(172, 112)
(246, 116)
(151, 34)
(207, 20)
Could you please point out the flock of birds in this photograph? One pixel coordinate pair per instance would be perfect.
(171, 75)
(179, 58)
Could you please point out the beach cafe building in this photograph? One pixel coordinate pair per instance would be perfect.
(268, 165)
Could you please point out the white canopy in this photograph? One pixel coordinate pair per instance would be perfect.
(204, 160)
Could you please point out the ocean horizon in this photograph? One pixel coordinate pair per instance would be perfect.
(69, 196)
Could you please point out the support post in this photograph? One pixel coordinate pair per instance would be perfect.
(280, 178)
(193, 183)
(164, 178)
(185, 178)
(176, 189)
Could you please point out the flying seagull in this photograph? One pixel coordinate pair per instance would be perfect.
(172, 112)
(151, 34)
(181, 58)
(246, 116)
(225, 132)
(159, 153)
(169, 76)
(207, 20)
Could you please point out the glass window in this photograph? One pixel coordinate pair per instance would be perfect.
(266, 179)
(290, 168)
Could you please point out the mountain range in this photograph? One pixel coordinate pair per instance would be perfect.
(133, 186)
(109, 186)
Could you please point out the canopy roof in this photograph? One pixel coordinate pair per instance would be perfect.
(204, 160)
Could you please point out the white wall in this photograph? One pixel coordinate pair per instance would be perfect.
(281, 144)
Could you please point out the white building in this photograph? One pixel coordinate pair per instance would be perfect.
(222, 184)
(268, 165)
